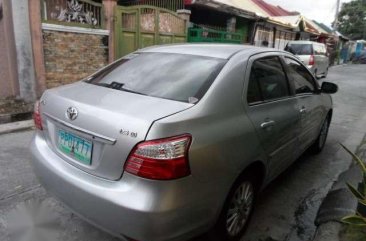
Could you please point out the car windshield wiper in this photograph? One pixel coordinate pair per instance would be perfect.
(132, 91)
(118, 86)
(102, 84)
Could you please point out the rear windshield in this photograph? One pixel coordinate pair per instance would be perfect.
(177, 77)
(300, 49)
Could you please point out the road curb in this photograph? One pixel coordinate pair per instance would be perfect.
(15, 117)
(328, 231)
(16, 126)
(339, 201)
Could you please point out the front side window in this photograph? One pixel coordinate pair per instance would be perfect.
(300, 77)
(177, 77)
(267, 80)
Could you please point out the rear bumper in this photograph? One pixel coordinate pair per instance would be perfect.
(133, 207)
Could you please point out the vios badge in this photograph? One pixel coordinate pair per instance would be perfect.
(72, 113)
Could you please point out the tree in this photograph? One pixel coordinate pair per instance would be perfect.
(352, 19)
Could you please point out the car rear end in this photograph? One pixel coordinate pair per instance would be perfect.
(90, 148)
(304, 51)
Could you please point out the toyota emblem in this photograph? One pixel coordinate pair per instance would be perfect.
(72, 113)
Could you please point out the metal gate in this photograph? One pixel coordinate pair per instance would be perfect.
(142, 26)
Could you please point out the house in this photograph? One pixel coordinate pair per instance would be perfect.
(224, 21)
(305, 28)
(237, 17)
(273, 10)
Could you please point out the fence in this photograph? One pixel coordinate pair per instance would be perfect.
(210, 35)
(73, 12)
(172, 5)
(142, 26)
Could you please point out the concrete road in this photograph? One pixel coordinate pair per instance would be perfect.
(286, 209)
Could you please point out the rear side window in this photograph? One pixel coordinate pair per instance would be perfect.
(267, 80)
(177, 77)
(300, 77)
(319, 49)
(300, 49)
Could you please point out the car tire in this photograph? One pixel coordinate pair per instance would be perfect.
(319, 143)
(237, 210)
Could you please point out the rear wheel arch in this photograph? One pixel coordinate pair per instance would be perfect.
(255, 173)
(257, 170)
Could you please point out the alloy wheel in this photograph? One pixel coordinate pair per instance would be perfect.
(240, 207)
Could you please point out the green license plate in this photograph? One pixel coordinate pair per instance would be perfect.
(74, 146)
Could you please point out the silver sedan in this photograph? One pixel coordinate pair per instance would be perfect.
(174, 141)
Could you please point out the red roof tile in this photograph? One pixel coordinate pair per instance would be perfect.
(274, 10)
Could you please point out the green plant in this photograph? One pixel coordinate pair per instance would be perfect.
(360, 193)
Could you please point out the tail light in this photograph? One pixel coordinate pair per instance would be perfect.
(163, 159)
(188, 2)
(311, 60)
(37, 116)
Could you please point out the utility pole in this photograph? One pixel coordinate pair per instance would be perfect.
(335, 25)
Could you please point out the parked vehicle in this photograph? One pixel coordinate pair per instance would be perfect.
(360, 59)
(173, 141)
(314, 55)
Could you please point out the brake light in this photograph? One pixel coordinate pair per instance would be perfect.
(311, 60)
(37, 116)
(163, 159)
(188, 2)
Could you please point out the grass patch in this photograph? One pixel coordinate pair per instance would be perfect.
(353, 233)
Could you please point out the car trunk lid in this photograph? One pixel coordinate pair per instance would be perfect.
(109, 122)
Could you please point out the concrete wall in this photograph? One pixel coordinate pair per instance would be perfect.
(23, 42)
(8, 60)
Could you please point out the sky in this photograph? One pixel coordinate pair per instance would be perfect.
(319, 10)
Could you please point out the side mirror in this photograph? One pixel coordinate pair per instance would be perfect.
(329, 88)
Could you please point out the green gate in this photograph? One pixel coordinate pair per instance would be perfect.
(142, 26)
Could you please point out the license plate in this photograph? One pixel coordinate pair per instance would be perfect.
(75, 146)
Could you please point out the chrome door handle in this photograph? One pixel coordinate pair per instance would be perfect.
(303, 110)
(268, 124)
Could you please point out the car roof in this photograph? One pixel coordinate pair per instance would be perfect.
(223, 51)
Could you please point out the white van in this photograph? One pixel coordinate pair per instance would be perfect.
(314, 55)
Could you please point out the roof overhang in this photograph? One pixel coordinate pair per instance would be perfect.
(221, 7)
(280, 23)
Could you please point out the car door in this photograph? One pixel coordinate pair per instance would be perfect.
(308, 98)
(273, 110)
